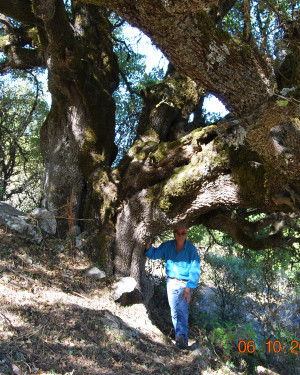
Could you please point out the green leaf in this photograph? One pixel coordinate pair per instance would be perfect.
(282, 103)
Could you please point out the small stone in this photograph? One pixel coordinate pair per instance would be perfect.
(59, 248)
(94, 273)
(264, 371)
(80, 240)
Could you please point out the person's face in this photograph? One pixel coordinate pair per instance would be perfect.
(180, 234)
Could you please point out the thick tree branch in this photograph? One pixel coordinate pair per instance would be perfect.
(155, 166)
(23, 59)
(18, 47)
(168, 104)
(193, 43)
(273, 133)
(19, 10)
(226, 222)
(61, 44)
(247, 20)
(275, 219)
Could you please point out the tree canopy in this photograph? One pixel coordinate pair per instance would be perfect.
(239, 175)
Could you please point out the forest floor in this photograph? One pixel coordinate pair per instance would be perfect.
(53, 320)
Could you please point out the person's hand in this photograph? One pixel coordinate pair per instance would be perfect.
(186, 295)
(148, 244)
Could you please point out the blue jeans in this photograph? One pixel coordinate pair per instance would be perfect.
(179, 307)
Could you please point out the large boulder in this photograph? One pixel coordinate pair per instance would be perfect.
(125, 291)
(19, 222)
(46, 220)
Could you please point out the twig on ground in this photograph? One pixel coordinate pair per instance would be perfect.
(7, 321)
(14, 368)
(80, 295)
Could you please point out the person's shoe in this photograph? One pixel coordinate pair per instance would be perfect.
(181, 343)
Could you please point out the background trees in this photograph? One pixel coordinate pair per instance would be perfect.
(23, 110)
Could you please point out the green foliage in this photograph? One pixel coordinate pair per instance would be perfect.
(198, 235)
(23, 109)
(133, 79)
(234, 278)
(227, 335)
(254, 297)
(233, 21)
(268, 22)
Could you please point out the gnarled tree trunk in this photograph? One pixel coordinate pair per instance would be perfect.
(78, 136)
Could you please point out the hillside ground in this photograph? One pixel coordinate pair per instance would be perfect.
(53, 320)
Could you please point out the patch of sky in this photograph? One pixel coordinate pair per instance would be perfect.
(140, 43)
(214, 108)
(43, 77)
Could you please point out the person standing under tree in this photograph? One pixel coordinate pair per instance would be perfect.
(182, 264)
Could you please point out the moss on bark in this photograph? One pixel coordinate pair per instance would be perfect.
(249, 173)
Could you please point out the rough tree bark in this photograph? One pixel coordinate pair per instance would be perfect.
(77, 138)
(186, 32)
(174, 173)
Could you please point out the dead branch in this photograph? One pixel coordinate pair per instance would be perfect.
(7, 321)
(14, 368)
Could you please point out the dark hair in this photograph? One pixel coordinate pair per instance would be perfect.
(181, 226)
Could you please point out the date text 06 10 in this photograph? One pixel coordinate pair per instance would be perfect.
(272, 347)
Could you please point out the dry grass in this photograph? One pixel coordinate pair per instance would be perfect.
(53, 321)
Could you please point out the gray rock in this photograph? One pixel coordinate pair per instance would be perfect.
(197, 352)
(94, 273)
(6, 209)
(80, 240)
(60, 248)
(17, 221)
(46, 220)
(124, 285)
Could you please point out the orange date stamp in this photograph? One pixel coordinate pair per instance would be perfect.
(271, 347)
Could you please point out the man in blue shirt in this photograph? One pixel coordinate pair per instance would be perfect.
(183, 270)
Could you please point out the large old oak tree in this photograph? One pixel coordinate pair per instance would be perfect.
(175, 172)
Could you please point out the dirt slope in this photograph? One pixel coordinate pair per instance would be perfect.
(55, 321)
